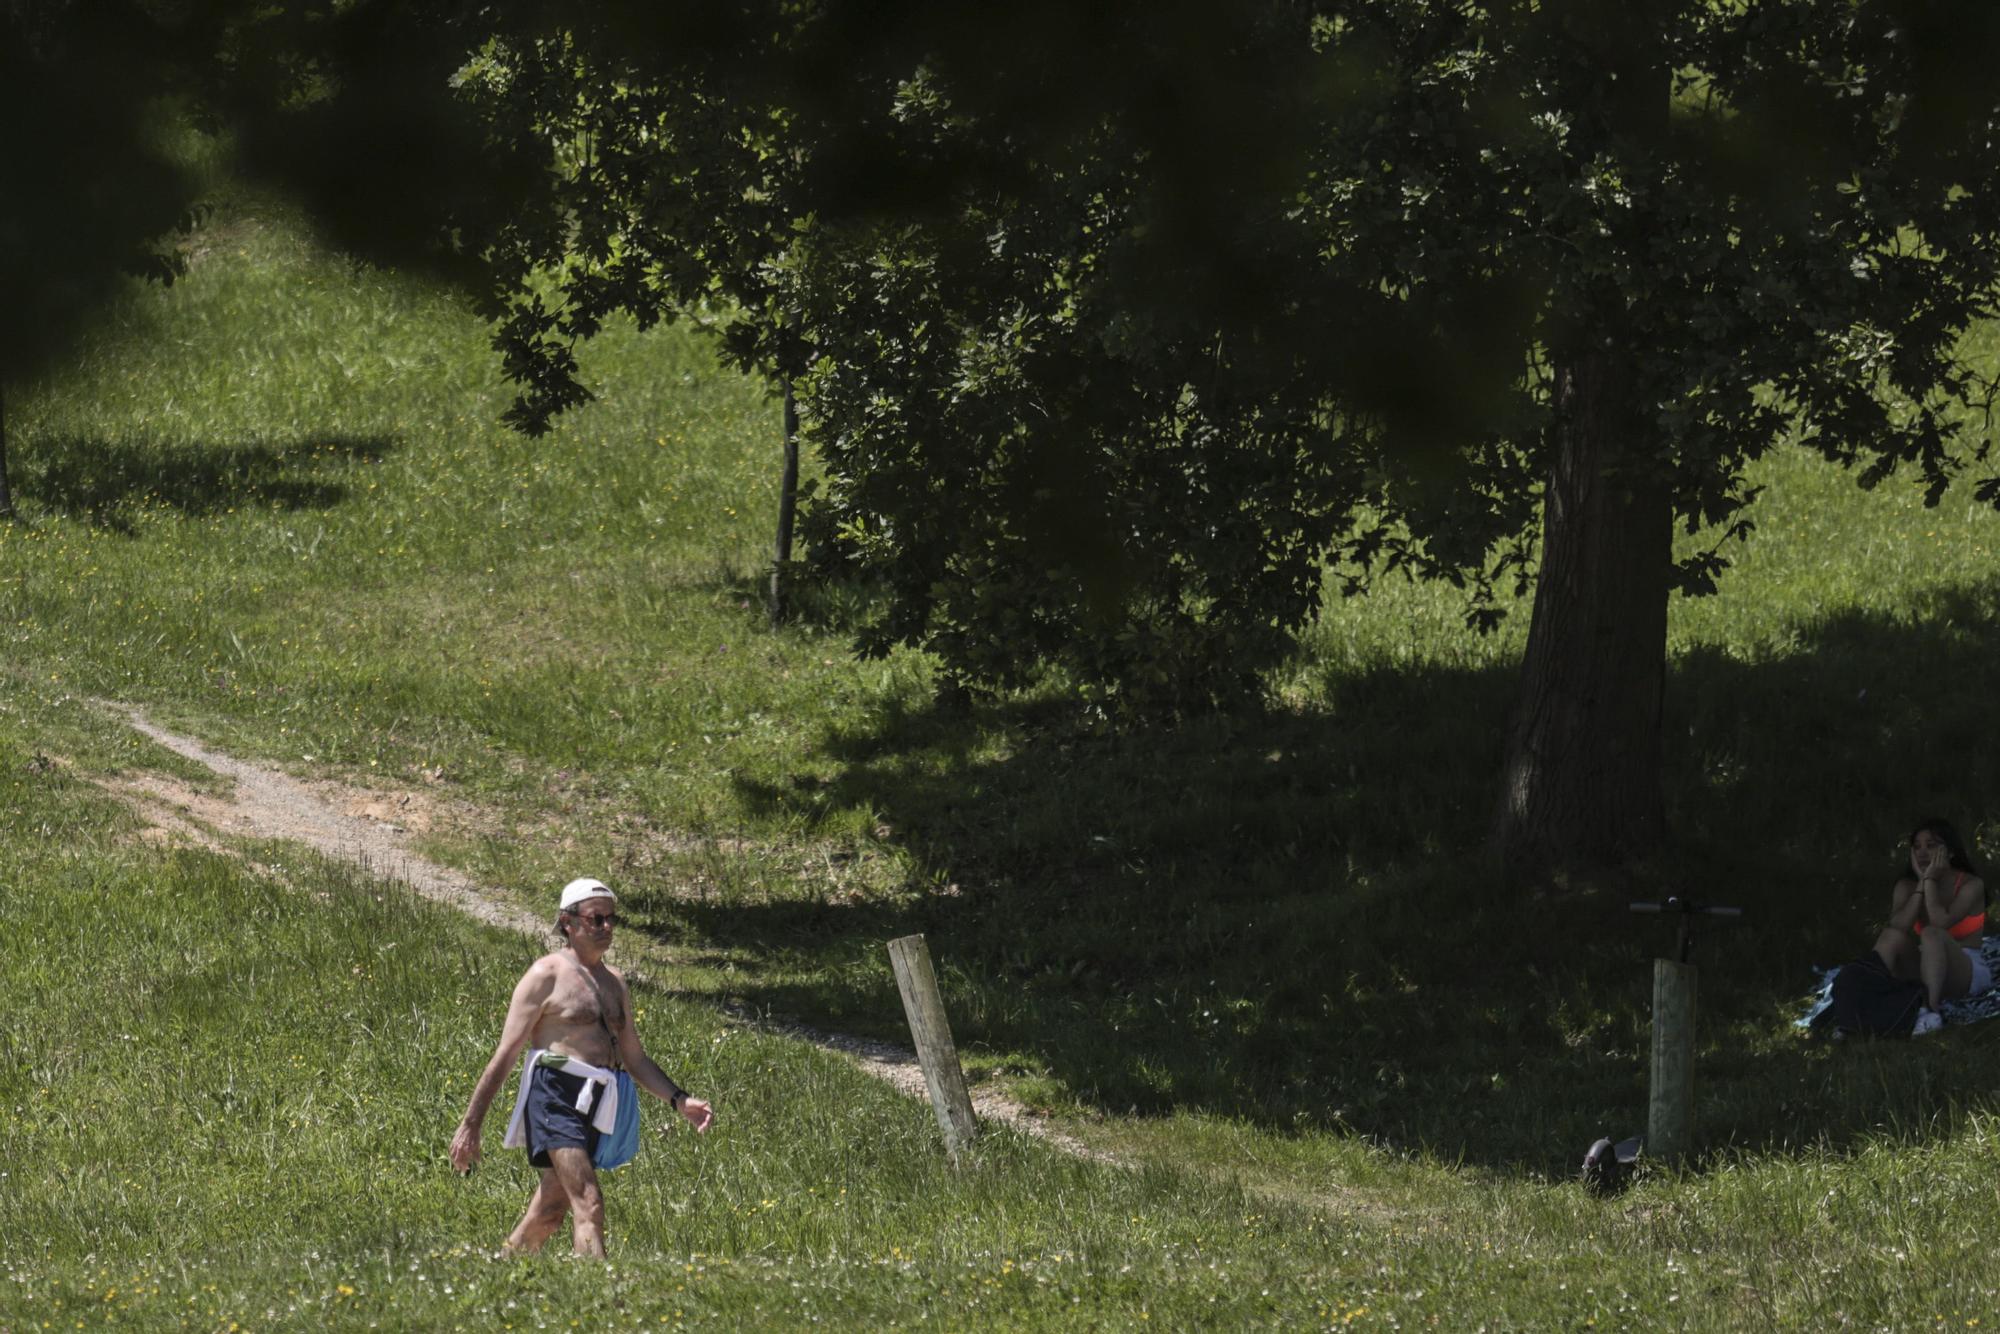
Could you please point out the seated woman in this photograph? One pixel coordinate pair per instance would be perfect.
(1937, 921)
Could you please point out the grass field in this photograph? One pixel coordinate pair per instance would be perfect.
(273, 505)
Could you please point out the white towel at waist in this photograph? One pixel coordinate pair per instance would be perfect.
(600, 1087)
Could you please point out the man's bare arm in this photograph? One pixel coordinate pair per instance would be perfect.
(531, 993)
(649, 1076)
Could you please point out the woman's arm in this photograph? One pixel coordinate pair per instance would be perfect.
(1904, 905)
(1955, 906)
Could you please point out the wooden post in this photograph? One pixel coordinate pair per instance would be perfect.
(1670, 1113)
(788, 493)
(911, 958)
(6, 492)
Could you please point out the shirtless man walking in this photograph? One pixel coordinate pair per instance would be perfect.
(574, 1015)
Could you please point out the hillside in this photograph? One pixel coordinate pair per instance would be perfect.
(1256, 956)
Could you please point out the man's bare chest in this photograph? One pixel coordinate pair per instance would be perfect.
(575, 1002)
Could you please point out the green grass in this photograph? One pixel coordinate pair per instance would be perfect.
(228, 1102)
(1258, 954)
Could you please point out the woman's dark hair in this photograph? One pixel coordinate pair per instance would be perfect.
(1953, 845)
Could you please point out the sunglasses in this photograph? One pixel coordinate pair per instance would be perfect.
(596, 920)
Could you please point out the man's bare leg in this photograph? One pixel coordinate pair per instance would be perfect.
(546, 1208)
(578, 1180)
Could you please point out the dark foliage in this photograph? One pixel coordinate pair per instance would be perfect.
(1114, 329)
(90, 192)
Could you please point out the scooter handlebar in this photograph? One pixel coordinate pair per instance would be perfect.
(1688, 906)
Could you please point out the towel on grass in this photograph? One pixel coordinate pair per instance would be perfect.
(1971, 1010)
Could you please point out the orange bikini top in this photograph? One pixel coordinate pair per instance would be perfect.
(1964, 926)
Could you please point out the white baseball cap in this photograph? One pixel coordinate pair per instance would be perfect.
(576, 891)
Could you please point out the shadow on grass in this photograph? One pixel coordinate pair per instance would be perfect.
(1286, 917)
(104, 482)
(812, 600)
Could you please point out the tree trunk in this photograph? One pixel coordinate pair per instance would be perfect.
(1582, 775)
(6, 491)
(788, 493)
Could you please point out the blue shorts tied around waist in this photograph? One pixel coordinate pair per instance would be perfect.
(621, 1144)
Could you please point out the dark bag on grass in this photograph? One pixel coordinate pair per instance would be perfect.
(1608, 1167)
(1868, 998)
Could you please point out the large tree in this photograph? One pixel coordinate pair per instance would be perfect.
(1117, 325)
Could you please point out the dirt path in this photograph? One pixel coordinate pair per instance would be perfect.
(373, 831)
